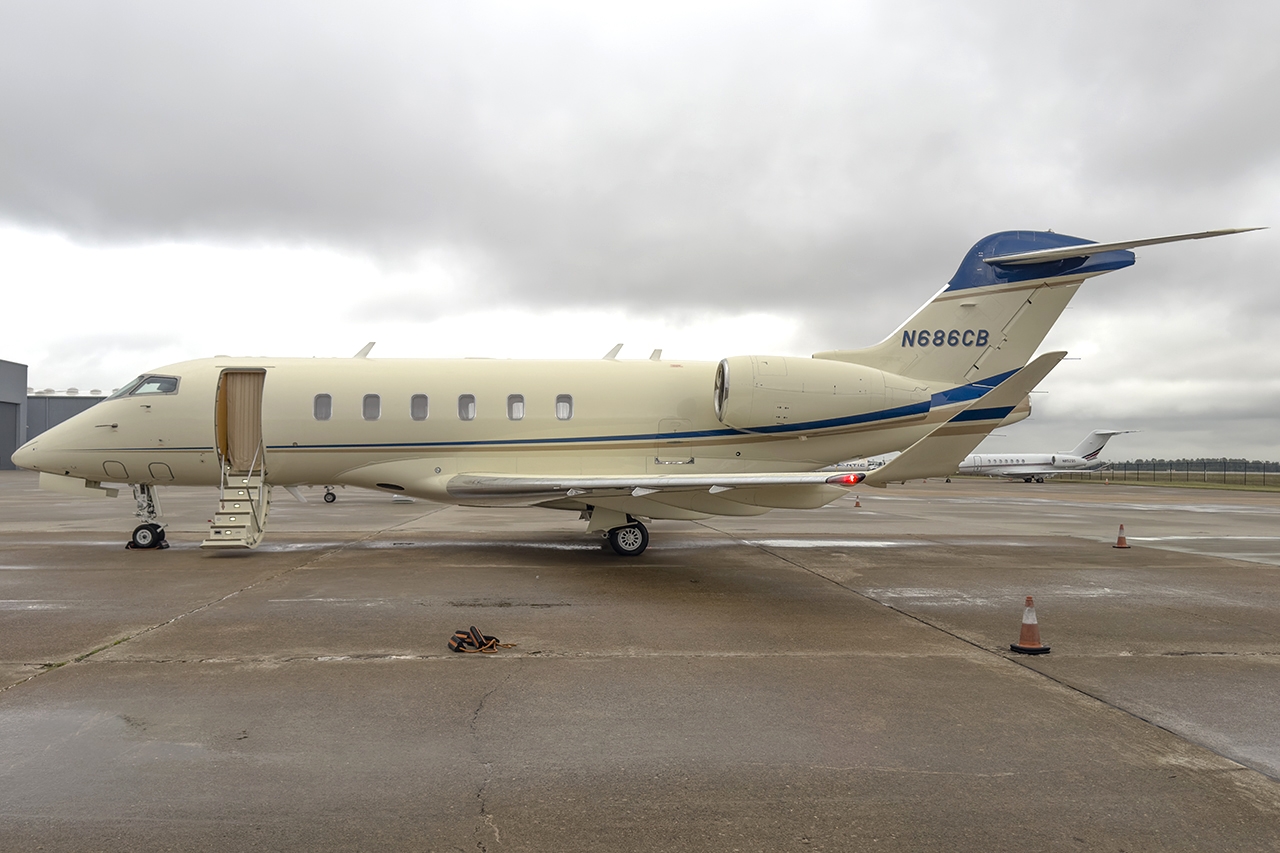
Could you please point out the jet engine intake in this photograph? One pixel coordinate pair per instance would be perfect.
(754, 392)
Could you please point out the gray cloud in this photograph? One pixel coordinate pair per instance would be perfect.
(830, 161)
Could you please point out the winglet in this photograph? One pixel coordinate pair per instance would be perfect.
(940, 452)
(364, 351)
(613, 353)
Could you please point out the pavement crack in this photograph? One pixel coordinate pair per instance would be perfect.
(487, 823)
(51, 666)
(1011, 657)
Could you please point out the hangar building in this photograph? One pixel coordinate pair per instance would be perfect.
(24, 414)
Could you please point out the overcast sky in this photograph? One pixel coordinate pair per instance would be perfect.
(184, 179)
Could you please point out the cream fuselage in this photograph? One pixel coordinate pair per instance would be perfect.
(629, 417)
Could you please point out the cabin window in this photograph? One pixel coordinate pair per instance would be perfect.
(515, 407)
(564, 407)
(467, 407)
(323, 407)
(372, 407)
(418, 407)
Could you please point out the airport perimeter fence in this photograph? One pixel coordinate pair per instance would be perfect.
(1227, 472)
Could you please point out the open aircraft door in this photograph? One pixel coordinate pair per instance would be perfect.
(245, 497)
(239, 420)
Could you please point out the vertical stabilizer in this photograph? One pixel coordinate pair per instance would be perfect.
(991, 317)
(1092, 446)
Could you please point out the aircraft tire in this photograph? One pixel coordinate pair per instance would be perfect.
(330, 497)
(629, 541)
(147, 536)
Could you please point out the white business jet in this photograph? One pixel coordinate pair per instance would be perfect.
(1037, 466)
(619, 442)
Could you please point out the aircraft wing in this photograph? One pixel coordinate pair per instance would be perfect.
(537, 488)
(940, 452)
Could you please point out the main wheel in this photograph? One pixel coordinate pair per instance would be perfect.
(629, 541)
(330, 497)
(147, 536)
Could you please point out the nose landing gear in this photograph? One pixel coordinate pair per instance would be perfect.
(148, 535)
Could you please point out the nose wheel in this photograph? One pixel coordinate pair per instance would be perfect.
(629, 541)
(147, 536)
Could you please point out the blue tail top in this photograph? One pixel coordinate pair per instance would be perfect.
(974, 271)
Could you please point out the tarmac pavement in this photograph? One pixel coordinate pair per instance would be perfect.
(835, 679)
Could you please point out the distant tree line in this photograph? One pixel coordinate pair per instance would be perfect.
(1223, 469)
(1203, 463)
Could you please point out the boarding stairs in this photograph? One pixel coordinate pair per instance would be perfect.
(243, 501)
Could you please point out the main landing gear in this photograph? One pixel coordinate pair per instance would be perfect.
(148, 535)
(630, 540)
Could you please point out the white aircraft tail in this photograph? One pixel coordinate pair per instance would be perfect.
(1010, 289)
(1092, 446)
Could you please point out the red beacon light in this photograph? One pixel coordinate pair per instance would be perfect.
(846, 479)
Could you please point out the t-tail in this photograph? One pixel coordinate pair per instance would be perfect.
(996, 310)
(1092, 446)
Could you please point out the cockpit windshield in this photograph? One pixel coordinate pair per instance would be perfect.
(148, 385)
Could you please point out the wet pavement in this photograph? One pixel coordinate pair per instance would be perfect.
(825, 680)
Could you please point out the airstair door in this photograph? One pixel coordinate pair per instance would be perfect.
(245, 496)
(240, 420)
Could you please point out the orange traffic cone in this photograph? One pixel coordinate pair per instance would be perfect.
(857, 502)
(1029, 639)
(1120, 541)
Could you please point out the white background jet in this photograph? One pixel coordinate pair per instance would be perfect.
(1037, 466)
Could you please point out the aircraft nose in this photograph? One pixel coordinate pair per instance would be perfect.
(25, 456)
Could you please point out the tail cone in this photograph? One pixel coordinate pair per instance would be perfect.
(1029, 639)
(1120, 540)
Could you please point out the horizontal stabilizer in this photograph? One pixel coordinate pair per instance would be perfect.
(940, 452)
(1041, 256)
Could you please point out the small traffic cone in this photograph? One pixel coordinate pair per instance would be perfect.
(1029, 639)
(1120, 541)
(857, 502)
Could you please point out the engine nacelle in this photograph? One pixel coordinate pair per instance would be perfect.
(754, 392)
(1066, 460)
